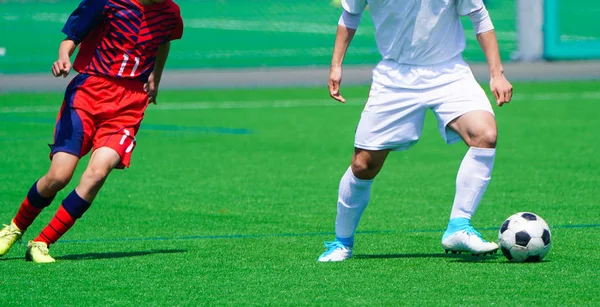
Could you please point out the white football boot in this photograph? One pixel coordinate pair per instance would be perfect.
(8, 236)
(335, 251)
(469, 241)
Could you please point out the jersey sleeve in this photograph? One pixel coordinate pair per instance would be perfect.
(466, 7)
(85, 17)
(178, 31)
(349, 21)
(481, 21)
(354, 7)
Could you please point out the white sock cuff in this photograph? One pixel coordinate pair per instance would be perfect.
(482, 152)
(357, 181)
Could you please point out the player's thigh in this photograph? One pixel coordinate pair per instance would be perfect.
(75, 124)
(63, 164)
(103, 160)
(391, 120)
(476, 128)
(59, 174)
(121, 125)
(462, 108)
(120, 138)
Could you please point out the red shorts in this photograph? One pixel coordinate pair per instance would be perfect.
(100, 112)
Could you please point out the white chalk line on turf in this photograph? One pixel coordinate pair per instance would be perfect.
(295, 103)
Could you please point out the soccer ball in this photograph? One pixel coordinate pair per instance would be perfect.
(524, 237)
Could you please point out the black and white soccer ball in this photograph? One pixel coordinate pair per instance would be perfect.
(524, 237)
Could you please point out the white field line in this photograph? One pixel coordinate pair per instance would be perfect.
(275, 52)
(294, 103)
(265, 26)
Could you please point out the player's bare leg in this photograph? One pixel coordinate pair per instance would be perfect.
(366, 164)
(40, 196)
(478, 130)
(353, 197)
(102, 162)
(59, 175)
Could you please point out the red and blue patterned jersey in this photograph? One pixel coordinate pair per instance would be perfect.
(120, 38)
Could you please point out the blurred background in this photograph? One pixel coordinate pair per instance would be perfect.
(239, 34)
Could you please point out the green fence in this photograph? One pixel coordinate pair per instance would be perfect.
(224, 34)
(571, 29)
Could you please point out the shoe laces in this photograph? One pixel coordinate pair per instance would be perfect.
(333, 245)
(471, 231)
(10, 231)
(42, 247)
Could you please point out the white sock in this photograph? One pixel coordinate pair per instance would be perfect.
(353, 198)
(473, 177)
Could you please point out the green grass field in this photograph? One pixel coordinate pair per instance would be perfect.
(232, 193)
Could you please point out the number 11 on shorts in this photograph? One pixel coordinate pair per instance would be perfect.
(125, 137)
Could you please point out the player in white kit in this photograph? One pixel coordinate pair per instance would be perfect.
(421, 42)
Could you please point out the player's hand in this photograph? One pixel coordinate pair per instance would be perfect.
(151, 88)
(502, 89)
(62, 67)
(335, 79)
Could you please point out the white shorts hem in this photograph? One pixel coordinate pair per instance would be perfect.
(463, 112)
(400, 147)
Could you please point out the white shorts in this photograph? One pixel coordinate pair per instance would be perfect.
(400, 95)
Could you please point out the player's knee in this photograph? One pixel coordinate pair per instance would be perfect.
(58, 179)
(486, 138)
(364, 169)
(94, 176)
(359, 166)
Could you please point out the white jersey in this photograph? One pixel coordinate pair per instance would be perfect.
(417, 32)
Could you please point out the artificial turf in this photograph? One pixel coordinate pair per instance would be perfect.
(232, 192)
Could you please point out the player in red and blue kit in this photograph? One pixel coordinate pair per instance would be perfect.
(123, 47)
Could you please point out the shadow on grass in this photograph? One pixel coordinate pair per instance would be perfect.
(457, 257)
(12, 258)
(527, 262)
(109, 255)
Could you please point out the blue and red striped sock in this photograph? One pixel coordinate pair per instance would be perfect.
(72, 208)
(30, 208)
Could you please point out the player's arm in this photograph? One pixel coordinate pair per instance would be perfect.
(161, 60)
(500, 87)
(486, 36)
(346, 29)
(151, 86)
(62, 66)
(84, 18)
